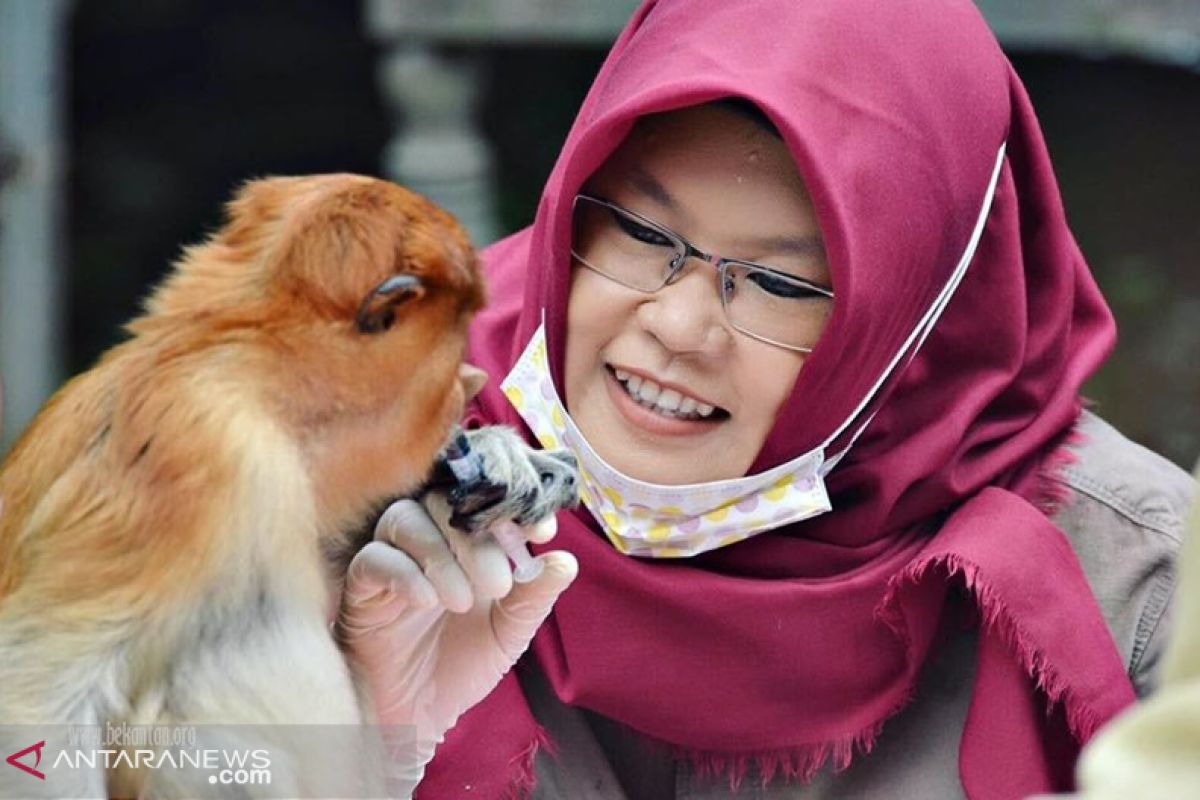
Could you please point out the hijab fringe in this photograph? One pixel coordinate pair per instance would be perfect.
(800, 763)
(1052, 493)
(524, 776)
(1082, 720)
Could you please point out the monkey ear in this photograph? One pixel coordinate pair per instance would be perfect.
(377, 311)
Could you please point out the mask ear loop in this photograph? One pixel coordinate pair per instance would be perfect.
(923, 327)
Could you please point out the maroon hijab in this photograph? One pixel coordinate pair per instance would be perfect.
(796, 646)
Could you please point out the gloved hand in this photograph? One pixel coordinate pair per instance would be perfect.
(431, 620)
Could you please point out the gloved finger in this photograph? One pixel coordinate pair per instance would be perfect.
(382, 582)
(516, 618)
(407, 526)
(544, 530)
(480, 557)
(378, 568)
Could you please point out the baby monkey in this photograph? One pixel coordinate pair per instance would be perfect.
(494, 482)
(167, 514)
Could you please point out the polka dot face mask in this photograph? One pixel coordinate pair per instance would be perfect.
(657, 521)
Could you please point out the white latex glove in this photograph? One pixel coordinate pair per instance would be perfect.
(432, 620)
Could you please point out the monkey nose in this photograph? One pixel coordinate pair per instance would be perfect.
(558, 473)
(472, 379)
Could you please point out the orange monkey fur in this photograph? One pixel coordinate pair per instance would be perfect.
(193, 482)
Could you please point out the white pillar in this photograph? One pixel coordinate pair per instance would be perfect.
(32, 44)
(438, 149)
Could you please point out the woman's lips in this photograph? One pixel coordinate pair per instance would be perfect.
(641, 417)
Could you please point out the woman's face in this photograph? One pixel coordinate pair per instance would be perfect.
(730, 188)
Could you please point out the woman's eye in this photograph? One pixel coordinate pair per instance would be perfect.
(779, 286)
(640, 232)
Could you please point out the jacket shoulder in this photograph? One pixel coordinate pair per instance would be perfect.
(1125, 515)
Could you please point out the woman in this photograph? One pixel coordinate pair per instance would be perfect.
(801, 297)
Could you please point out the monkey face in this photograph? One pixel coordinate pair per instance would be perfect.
(389, 283)
(345, 300)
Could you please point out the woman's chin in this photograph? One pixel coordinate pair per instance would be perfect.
(639, 460)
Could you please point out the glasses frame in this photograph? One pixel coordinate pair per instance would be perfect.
(687, 250)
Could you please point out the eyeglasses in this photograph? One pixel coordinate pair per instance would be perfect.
(765, 302)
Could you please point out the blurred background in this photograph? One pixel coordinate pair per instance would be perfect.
(125, 124)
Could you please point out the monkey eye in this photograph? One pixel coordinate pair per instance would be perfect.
(377, 312)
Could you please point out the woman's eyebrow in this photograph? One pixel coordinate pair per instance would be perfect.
(790, 245)
(648, 185)
(807, 246)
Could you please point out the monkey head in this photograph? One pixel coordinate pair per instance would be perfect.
(344, 301)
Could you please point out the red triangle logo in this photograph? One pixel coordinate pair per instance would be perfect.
(33, 748)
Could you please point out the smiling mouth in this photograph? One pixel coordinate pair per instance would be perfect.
(665, 402)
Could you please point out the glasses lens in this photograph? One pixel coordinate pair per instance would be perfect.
(622, 246)
(774, 306)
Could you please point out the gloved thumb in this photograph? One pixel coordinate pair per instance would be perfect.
(516, 617)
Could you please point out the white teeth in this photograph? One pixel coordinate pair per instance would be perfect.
(649, 391)
(668, 402)
(669, 399)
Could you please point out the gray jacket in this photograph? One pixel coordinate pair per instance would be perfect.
(1125, 517)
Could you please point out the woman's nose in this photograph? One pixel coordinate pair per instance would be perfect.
(686, 315)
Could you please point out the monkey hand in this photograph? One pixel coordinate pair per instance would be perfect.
(431, 620)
